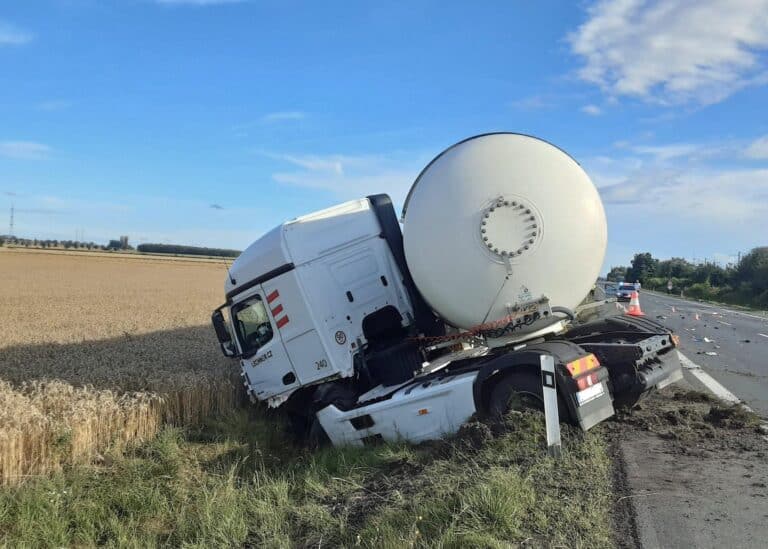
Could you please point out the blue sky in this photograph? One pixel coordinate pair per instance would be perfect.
(207, 122)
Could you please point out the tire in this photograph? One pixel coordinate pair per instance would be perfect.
(520, 391)
(317, 437)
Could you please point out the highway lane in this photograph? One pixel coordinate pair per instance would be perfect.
(738, 339)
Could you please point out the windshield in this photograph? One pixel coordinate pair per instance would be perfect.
(252, 324)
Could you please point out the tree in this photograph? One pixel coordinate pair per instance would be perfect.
(677, 267)
(643, 267)
(616, 274)
(753, 269)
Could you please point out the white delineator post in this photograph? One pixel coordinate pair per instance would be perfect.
(551, 415)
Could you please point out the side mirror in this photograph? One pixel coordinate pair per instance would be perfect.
(222, 333)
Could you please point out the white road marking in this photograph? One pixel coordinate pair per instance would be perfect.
(762, 335)
(696, 303)
(709, 382)
(726, 323)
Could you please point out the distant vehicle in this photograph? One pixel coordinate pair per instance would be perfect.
(624, 291)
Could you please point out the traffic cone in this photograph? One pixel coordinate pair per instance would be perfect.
(634, 306)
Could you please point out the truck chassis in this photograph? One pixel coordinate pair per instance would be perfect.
(614, 361)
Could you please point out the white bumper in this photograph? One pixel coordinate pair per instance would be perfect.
(414, 413)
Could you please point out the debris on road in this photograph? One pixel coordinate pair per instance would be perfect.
(745, 341)
(661, 317)
(707, 340)
(711, 353)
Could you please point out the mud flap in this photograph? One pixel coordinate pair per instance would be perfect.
(591, 405)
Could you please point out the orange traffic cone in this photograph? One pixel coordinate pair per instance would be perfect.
(634, 306)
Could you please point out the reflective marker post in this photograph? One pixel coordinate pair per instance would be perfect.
(551, 415)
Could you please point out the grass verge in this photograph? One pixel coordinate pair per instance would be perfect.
(239, 482)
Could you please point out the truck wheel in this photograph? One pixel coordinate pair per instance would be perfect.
(520, 391)
(317, 437)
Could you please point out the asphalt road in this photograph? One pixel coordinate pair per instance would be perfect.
(739, 341)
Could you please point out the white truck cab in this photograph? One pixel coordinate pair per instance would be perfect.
(301, 297)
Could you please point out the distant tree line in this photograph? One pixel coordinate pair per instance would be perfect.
(50, 243)
(185, 250)
(743, 283)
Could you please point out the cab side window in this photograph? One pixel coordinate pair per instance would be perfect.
(254, 329)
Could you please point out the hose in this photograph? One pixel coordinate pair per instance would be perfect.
(564, 310)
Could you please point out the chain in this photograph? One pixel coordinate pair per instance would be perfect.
(495, 329)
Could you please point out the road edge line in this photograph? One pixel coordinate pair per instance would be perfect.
(709, 382)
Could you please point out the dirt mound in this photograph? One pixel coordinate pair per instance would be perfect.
(731, 417)
(697, 422)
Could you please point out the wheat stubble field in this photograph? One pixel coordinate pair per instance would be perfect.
(96, 352)
(119, 427)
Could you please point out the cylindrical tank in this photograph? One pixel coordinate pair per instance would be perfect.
(497, 220)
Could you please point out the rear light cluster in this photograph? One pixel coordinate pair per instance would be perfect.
(582, 365)
(586, 381)
(583, 371)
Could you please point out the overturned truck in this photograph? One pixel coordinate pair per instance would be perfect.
(362, 331)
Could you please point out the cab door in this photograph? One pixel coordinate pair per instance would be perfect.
(293, 316)
(265, 362)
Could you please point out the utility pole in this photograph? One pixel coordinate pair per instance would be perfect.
(10, 231)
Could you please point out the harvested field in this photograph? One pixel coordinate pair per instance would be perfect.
(99, 351)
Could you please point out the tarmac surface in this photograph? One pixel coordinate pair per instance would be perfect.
(687, 485)
(730, 345)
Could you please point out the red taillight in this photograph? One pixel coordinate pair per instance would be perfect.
(582, 365)
(587, 381)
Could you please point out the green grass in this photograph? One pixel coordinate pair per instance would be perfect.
(238, 481)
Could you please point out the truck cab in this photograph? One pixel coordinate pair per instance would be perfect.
(308, 297)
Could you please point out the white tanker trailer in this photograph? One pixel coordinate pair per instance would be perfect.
(362, 332)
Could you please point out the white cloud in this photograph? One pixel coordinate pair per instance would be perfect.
(283, 116)
(758, 148)
(689, 152)
(705, 195)
(351, 176)
(592, 110)
(24, 150)
(673, 51)
(13, 36)
(532, 103)
(663, 153)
